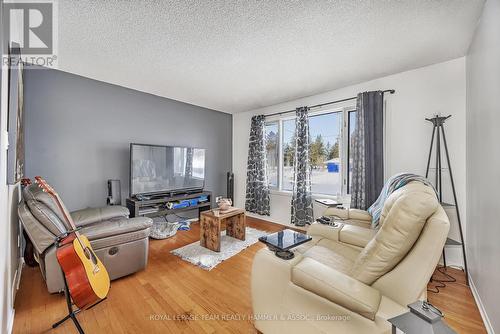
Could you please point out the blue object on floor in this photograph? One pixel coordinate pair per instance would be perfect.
(184, 225)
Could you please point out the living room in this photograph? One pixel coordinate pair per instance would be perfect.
(249, 167)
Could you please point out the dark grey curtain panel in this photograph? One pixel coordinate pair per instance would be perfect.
(257, 192)
(302, 208)
(368, 150)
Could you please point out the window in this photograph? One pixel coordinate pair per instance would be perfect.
(328, 158)
(272, 153)
(325, 149)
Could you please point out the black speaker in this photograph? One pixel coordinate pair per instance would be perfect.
(114, 192)
(230, 186)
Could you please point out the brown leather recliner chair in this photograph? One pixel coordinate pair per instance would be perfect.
(336, 284)
(120, 242)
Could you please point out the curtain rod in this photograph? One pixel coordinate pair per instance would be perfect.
(391, 91)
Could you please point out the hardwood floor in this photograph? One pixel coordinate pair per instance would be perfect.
(457, 303)
(173, 296)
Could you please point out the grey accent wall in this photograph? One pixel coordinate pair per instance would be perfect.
(78, 132)
(483, 162)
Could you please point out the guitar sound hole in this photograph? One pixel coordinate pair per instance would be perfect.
(90, 255)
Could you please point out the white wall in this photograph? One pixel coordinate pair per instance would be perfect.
(8, 197)
(483, 163)
(420, 93)
(6, 303)
(6, 307)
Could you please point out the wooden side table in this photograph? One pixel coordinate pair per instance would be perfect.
(210, 227)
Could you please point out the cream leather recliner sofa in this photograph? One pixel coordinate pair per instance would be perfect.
(341, 282)
(351, 216)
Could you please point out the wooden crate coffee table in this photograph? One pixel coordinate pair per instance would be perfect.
(210, 227)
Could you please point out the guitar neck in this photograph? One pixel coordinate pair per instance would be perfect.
(55, 197)
(67, 217)
(65, 212)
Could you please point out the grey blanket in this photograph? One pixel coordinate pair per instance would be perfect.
(394, 183)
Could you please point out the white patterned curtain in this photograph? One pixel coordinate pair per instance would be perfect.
(367, 150)
(257, 191)
(302, 208)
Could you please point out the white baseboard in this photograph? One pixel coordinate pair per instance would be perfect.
(482, 311)
(17, 279)
(10, 321)
(15, 287)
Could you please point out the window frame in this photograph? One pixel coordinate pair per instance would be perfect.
(344, 150)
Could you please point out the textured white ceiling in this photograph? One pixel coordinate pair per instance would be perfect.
(234, 56)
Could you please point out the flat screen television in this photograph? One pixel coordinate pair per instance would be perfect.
(156, 169)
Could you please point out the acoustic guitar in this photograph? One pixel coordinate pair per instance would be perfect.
(87, 279)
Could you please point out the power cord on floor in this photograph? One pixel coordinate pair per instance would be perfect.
(431, 308)
(441, 283)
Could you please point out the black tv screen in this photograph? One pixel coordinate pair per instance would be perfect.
(158, 169)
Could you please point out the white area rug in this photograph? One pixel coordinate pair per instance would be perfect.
(208, 259)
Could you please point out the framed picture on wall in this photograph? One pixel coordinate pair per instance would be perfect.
(15, 121)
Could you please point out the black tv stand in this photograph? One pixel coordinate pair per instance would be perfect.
(157, 206)
(167, 194)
